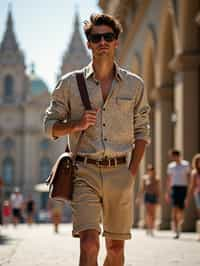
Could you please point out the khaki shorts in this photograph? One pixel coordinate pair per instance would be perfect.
(103, 195)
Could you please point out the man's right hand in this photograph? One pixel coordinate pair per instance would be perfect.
(88, 119)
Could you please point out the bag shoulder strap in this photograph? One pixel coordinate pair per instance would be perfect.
(86, 102)
(83, 90)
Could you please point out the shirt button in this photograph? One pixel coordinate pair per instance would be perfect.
(104, 109)
(105, 139)
(104, 124)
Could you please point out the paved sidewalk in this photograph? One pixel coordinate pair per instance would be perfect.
(40, 246)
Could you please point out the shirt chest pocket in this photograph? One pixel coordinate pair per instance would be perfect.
(121, 118)
(124, 110)
(123, 101)
(124, 106)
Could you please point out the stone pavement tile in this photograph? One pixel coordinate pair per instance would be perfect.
(40, 246)
(8, 244)
(162, 250)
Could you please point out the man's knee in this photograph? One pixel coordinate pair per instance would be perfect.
(89, 242)
(115, 248)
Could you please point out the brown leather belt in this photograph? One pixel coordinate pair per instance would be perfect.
(105, 162)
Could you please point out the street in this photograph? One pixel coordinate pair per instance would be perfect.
(39, 245)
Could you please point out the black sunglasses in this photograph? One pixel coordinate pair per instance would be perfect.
(107, 36)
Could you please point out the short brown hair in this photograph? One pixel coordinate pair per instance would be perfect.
(102, 19)
(174, 152)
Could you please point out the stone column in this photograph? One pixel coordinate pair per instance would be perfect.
(187, 102)
(148, 158)
(163, 142)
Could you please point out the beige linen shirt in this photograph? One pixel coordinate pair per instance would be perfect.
(121, 119)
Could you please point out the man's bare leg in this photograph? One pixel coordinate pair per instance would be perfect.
(115, 253)
(89, 248)
(177, 217)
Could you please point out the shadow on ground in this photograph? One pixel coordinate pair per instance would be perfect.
(5, 240)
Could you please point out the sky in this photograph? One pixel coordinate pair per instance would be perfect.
(43, 30)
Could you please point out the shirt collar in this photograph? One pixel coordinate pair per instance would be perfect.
(89, 71)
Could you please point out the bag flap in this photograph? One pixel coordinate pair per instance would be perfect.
(51, 176)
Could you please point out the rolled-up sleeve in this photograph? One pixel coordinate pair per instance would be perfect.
(141, 116)
(58, 109)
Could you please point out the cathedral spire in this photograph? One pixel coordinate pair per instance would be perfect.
(76, 55)
(76, 20)
(9, 18)
(9, 43)
(9, 39)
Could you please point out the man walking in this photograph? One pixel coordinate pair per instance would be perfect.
(178, 175)
(117, 125)
(17, 203)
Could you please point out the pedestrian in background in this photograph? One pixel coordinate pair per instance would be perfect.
(55, 209)
(117, 125)
(194, 188)
(17, 205)
(178, 178)
(30, 210)
(150, 192)
(6, 212)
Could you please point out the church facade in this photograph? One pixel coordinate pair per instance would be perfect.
(26, 155)
(161, 43)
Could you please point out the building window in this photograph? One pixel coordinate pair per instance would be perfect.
(44, 144)
(8, 89)
(8, 144)
(45, 168)
(8, 171)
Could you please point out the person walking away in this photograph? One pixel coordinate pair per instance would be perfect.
(117, 125)
(30, 210)
(178, 178)
(17, 202)
(194, 188)
(55, 210)
(150, 191)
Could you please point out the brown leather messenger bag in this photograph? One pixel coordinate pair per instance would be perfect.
(61, 178)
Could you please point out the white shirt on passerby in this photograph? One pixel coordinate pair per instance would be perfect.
(179, 173)
(16, 201)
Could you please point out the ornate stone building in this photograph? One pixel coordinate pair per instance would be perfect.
(26, 155)
(161, 42)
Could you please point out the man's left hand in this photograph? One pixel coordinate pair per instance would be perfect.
(133, 171)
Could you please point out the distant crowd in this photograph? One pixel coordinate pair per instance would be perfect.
(182, 183)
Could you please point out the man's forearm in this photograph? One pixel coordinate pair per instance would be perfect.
(62, 129)
(137, 155)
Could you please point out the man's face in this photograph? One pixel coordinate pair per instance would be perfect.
(175, 158)
(102, 45)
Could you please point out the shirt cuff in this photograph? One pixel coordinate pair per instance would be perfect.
(145, 138)
(49, 129)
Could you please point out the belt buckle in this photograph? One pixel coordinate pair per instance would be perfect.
(98, 163)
